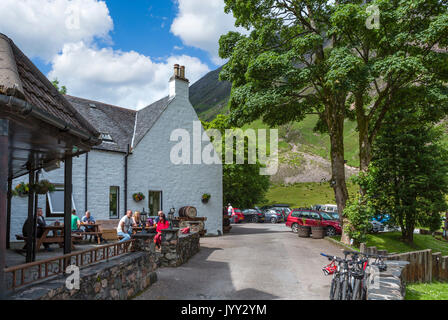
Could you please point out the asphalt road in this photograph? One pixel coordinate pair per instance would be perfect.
(253, 261)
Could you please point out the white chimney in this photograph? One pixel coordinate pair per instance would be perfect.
(178, 83)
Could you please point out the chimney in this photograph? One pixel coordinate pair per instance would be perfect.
(178, 83)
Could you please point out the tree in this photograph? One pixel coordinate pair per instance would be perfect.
(408, 174)
(319, 57)
(243, 185)
(62, 90)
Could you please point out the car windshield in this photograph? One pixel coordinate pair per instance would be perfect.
(237, 210)
(326, 216)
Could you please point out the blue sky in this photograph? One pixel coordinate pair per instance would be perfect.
(115, 51)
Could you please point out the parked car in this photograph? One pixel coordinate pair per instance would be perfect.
(334, 215)
(237, 216)
(273, 216)
(376, 226)
(253, 215)
(329, 208)
(301, 217)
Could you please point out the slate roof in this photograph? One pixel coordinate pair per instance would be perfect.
(125, 126)
(107, 119)
(19, 77)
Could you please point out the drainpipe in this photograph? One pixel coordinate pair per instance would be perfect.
(126, 179)
(86, 206)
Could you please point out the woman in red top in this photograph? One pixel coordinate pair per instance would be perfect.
(162, 224)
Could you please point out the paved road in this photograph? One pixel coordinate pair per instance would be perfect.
(253, 261)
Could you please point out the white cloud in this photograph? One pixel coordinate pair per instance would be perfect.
(200, 23)
(127, 79)
(41, 27)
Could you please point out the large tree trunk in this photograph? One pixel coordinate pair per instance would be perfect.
(365, 147)
(336, 130)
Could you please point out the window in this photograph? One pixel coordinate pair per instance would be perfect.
(114, 201)
(154, 202)
(106, 137)
(314, 215)
(55, 202)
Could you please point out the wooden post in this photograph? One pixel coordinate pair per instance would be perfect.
(36, 197)
(4, 143)
(8, 215)
(68, 204)
(30, 227)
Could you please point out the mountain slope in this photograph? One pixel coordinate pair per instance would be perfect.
(209, 96)
(303, 154)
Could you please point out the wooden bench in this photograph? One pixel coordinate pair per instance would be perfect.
(109, 229)
(81, 234)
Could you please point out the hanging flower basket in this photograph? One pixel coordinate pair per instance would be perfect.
(138, 196)
(205, 197)
(21, 190)
(43, 187)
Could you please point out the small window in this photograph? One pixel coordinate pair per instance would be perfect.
(114, 201)
(154, 202)
(55, 202)
(106, 137)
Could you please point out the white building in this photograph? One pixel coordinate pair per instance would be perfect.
(134, 157)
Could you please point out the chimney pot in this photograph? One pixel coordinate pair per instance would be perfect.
(182, 72)
(176, 70)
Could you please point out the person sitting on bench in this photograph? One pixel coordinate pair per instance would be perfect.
(125, 225)
(76, 223)
(89, 219)
(41, 223)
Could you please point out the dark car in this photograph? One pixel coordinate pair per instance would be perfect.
(273, 216)
(253, 215)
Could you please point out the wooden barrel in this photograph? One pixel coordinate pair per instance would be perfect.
(188, 211)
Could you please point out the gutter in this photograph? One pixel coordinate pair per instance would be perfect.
(25, 109)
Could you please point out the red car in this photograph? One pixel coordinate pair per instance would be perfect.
(313, 218)
(237, 216)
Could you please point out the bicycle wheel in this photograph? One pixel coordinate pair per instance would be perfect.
(334, 287)
(356, 290)
(337, 289)
(345, 289)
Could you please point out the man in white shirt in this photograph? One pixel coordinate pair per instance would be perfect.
(229, 209)
(125, 225)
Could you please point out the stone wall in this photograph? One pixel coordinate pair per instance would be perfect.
(390, 283)
(117, 279)
(122, 277)
(175, 250)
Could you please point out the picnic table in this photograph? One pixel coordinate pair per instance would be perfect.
(139, 229)
(56, 237)
(95, 230)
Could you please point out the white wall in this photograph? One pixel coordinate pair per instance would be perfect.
(150, 168)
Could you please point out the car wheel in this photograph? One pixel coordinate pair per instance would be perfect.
(254, 219)
(273, 220)
(331, 231)
(295, 228)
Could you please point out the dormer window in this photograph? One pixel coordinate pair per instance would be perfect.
(106, 137)
(92, 105)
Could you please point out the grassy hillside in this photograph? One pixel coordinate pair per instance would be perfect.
(303, 194)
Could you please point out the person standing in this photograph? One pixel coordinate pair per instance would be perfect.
(125, 225)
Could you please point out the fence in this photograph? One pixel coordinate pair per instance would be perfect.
(18, 276)
(424, 266)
